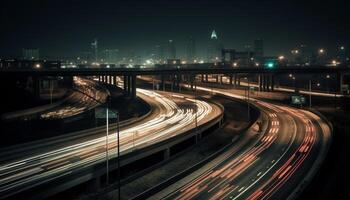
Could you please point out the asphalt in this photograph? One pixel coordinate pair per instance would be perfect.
(271, 167)
(32, 167)
(236, 122)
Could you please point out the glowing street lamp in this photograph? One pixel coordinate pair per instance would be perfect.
(38, 66)
(296, 51)
(321, 51)
(334, 62)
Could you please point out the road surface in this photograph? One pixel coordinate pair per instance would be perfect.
(173, 115)
(268, 165)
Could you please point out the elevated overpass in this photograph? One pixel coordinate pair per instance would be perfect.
(176, 72)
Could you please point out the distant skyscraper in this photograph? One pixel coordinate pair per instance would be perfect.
(214, 48)
(30, 54)
(191, 50)
(171, 50)
(111, 55)
(94, 47)
(86, 57)
(159, 53)
(259, 49)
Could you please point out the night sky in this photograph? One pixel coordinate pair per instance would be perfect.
(65, 28)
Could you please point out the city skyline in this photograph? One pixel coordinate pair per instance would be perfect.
(138, 26)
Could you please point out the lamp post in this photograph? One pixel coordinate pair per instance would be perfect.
(248, 99)
(310, 84)
(328, 83)
(107, 156)
(196, 110)
(118, 158)
(51, 90)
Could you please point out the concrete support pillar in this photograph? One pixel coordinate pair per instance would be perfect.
(235, 80)
(99, 78)
(217, 78)
(265, 83)
(163, 82)
(272, 82)
(192, 82)
(125, 85)
(268, 84)
(36, 86)
(238, 81)
(133, 94)
(115, 80)
(178, 79)
(230, 79)
(221, 79)
(202, 77)
(129, 85)
(206, 78)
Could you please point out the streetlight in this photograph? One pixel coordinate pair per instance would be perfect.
(295, 89)
(118, 159)
(328, 83)
(248, 99)
(195, 109)
(310, 84)
(334, 62)
(321, 51)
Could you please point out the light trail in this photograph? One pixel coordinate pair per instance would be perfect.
(170, 121)
(262, 168)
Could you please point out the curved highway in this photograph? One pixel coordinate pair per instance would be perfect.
(173, 115)
(270, 165)
(88, 95)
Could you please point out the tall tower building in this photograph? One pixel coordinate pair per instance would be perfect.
(30, 54)
(94, 47)
(191, 50)
(111, 55)
(214, 48)
(159, 53)
(171, 50)
(259, 49)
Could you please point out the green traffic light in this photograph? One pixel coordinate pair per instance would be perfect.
(270, 65)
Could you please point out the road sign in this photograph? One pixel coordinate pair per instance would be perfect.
(344, 88)
(100, 113)
(298, 100)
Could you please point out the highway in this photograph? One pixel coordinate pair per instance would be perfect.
(171, 115)
(88, 95)
(268, 165)
(286, 89)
